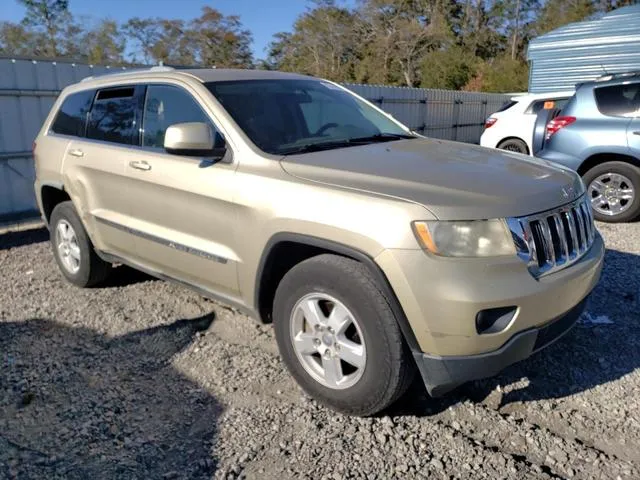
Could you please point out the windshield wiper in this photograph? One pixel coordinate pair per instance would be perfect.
(381, 137)
(348, 142)
(317, 147)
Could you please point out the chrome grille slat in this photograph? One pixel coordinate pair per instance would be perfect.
(573, 234)
(547, 241)
(581, 230)
(587, 221)
(552, 240)
(563, 238)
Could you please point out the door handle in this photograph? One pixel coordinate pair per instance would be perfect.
(140, 165)
(636, 132)
(76, 152)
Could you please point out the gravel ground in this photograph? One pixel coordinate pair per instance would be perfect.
(145, 379)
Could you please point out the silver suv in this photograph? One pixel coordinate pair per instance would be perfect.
(376, 253)
(597, 134)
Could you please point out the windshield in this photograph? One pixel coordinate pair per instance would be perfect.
(295, 116)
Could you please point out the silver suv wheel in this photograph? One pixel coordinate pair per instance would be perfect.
(328, 341)
(67, 245)
(611, 194)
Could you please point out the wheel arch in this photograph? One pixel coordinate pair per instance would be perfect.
(285, 250)
(513, 137)
(600, 158)
(52, 194)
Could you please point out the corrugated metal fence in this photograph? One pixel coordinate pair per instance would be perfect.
(446, 114)
(28, 89)
(582, 51)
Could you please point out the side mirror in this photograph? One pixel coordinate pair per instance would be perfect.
(194, 139)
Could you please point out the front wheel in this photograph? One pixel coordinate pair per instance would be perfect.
(338, 336)
(614, 191)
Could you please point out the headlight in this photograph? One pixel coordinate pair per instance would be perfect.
(477, 238)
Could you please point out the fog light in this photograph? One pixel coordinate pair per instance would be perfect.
(494, 320)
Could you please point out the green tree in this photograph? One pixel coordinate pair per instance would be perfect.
(449, 69)
(50, 17)
(322, 43)
(145, 34)
(221, 40)
(503, 74)
(104, 44)
(15, 39)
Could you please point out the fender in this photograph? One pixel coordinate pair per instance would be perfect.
(346, 251)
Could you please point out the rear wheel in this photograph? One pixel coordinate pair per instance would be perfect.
(338, 336)
(614, 191)
(73, 250)
(514, 145)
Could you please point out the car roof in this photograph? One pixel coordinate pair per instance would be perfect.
(611, 79)
(540, 96)
(202, 74)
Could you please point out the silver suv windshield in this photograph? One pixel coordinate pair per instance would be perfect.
(284, 117)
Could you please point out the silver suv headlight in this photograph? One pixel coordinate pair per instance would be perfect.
(475, 238)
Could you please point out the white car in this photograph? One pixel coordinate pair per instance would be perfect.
(511, 127)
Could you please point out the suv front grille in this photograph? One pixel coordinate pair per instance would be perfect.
(552, 240)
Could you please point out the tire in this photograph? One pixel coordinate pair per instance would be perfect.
(388, 367)
(514, 145)
(91, 269)
(622, 177)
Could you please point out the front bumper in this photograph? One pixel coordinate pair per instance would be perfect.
(443, 374)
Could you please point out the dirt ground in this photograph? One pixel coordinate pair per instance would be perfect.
(145, 379)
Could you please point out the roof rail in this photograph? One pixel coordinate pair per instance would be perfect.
(617, 75)
(157, 68)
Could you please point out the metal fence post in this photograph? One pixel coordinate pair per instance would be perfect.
(456, 118)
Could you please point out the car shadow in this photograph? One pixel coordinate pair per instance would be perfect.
(77, 404)
(602, 347)
(23, 238)
(122, 276)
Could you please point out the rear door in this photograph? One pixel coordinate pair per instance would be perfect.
(94, 167)
(619, 103)
(183, 212)
(633, 131)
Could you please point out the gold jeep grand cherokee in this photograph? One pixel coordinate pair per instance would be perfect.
(375, 252)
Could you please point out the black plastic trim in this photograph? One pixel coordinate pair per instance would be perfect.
(163, 241)
(443, 374)
(346, 251)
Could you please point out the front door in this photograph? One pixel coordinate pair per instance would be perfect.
(183, 211)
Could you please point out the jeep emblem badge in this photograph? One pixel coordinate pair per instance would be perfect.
(567, 192)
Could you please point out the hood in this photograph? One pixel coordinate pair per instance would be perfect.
(454, 181)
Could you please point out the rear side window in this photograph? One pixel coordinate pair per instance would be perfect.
(72, 116)
(113, 116)
(547, 104)
(506, 106)
(618, 100)
(164, 106)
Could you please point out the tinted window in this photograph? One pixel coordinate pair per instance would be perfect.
(295, 116)
(547, 104)
(506, 106)
(165, 106)
(619, 100)
(72, 117)
(113, 116)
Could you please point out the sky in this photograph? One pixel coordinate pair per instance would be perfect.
(262, 17)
